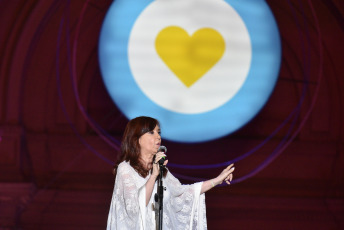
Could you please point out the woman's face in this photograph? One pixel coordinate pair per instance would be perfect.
(150, 141)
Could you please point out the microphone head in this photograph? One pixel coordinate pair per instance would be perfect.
(162, 149)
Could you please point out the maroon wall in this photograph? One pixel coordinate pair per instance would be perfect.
(55, 168)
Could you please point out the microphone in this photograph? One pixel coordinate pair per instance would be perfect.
(164, 150)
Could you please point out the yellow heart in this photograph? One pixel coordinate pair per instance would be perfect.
(189, 58)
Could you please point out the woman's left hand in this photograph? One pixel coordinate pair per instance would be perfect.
(226, 175)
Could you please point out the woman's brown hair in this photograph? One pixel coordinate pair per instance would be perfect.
(130, 147)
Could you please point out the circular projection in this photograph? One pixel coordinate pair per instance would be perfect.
(204, 68)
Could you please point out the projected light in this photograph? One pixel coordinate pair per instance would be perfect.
(204, 68)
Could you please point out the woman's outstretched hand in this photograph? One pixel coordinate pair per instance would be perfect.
(225, 175)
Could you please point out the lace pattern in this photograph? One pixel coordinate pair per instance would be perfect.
(184, 208)
(185, 203)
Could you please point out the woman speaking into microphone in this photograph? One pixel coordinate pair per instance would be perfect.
(137, 170)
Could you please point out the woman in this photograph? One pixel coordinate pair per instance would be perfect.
(132, 205)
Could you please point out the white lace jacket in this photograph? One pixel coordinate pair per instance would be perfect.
(184, 207)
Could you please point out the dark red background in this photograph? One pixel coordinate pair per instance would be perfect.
(51, 179)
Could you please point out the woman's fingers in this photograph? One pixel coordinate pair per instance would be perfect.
(227, 174)
(158, 156)
(229, 177)
(231, 167)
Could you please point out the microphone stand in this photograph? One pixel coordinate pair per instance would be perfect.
(159, 197)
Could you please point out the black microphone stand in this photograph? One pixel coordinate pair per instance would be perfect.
(159, 197)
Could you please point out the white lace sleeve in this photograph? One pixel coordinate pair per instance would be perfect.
(125, 206)
(185, 209)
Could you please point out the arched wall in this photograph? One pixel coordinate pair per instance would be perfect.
(53, 158)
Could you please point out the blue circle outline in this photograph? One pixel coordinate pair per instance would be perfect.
(266, 51)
